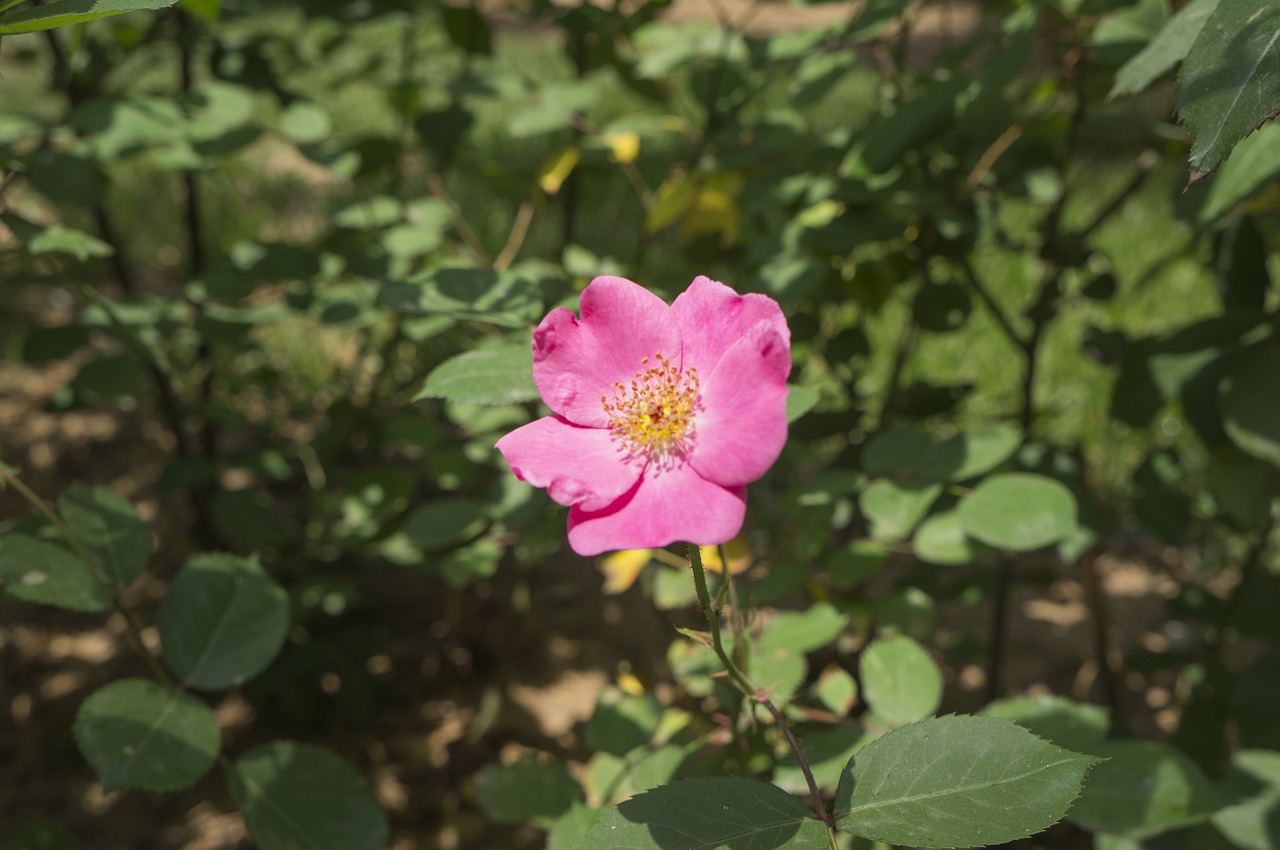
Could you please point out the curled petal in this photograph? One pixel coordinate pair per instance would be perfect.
(663, 507)
(578, 466)
(712, 317)
(577, 361)
(742, 425)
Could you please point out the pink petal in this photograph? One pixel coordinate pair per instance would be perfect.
(578, 466)
(664, 507)
(742, 425)
(713, 317)
(576, 361)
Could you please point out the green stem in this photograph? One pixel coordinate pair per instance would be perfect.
(758, 694)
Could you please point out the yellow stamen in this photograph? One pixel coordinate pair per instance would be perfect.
(654, 415)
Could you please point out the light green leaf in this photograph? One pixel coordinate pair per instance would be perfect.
(62, 13)
(304, 123)
(621, 723)
(526, 791)
(222, 622)
(36, 571)
(572, 825)
(957, 782)
(299, 797)
(1167, 49)
(982, 449)
(1074, 726)
(800, 400)
(1230, 79)
(1143, 789)
(900, 682)
(1019, 511)
(837, 690)
(506, 299)
(1251, 404)
(940, 539)
(721, 813)
(109, 527)
(1253, 164)
(137, 734)
(1252, 824)
(895, 509)
(803, 631)
(499, 375)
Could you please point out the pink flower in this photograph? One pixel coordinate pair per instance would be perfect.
(661, 413)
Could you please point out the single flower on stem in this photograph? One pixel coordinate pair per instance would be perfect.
(661, 413)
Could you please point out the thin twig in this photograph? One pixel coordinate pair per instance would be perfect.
(131, 625)
(437, 188)
(519, 230)
(758, 694)
(989, 301)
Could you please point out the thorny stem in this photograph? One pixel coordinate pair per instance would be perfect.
(131, 625)
(758, 694)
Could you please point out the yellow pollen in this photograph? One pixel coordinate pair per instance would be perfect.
(654, 415)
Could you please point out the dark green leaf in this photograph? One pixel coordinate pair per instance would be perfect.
(109, 527)
(137, 734)
(1143, 789)
(41, 834)
(957, 782)
(299, 797)
(62, 13)
(444, 523)
(722, 813)
(1251, 405)
(1019, 511)
(526, 791)
(35, 571)
(222, 621)
(1230, 80)
(900, 682)
(827, 752)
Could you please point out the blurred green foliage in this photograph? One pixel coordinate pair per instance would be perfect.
(305, 244)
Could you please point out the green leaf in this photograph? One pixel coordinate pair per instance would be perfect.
(1253, 165)
(137, 734)
(837, 690)
(804, 631)
(222, 622)
(108, 526)
(1143, 789)
(957, 782)
(1243, 488)
(621, 723)
(56, 239)
(1230, 79)
(305, 123)
(507, 299)
(1251, 405)
(572, 825)
(62, 13)
(721, 813)
(35, 571)
(940, 539)
(895, 509)
(1167, 49)
(526, 791)
(1072, 725)
(42, 834)
(1019, 511)
(900, 682)
(299, 797)
(800, 400)
(499, 375)
(444, 523)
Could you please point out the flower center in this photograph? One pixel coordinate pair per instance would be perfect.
(654, 415)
